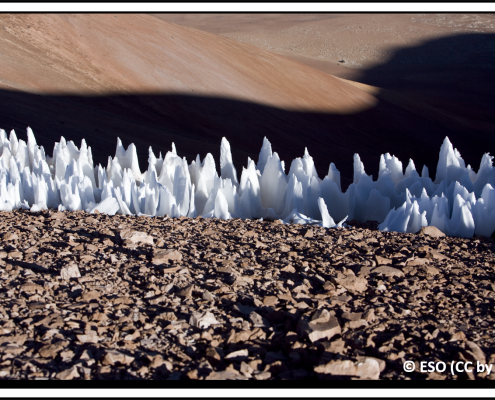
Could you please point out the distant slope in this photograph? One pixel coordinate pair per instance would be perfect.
(139, 53)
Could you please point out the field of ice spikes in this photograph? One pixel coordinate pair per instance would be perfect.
(459, 202)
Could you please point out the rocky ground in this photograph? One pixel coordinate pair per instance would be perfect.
(111, 297)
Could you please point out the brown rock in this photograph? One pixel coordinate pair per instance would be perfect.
(288, 268)
(135, 237)
(321, 315)
(162, 256)
(186, 292)
(431, 270)
(10, 236)
(70, 271)
(431, 231)
(367, 369)
(113, 357)
(158, 361)
(457, 336)
(202, 321)
(89, 337)
(224, 376)
(356, 324)
(352, 283)
(262, 376)
(308, 234)
(352, 316)
(238, 355)
(270, 301)
(51, 350)
(337, 346)
(31, 288)
(212, 355)
(68, 374)
(474, 353)
(319, 330)
(382, 260)
(387, 271)
(433, 254)
(225, 270)
(91, 295)
(13, 349)
(418, 262)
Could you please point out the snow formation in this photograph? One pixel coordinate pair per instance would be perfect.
(459, 202)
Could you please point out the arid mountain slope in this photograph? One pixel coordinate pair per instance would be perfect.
(132, 53)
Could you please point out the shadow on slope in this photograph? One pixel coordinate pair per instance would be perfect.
(196, 124)
(454, 74)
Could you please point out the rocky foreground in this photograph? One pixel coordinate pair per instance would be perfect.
(92, 296)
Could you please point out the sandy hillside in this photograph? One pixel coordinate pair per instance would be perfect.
(442, 63)
(323, 41)
(138, 53)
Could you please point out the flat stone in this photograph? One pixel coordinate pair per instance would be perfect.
(433, 254)
(458, 336)
(89, 337)
(387, 271)
(70, 271)
(308, 234)
(238, 355)
(316, 330)
(360, 323)
(418, 262)
(91, 295)
(186, 292)
(288, 268)
(337, 346)
(431, 270)
(135, 236)
(10, 236)
(382, 260)
(367, 369)
(431, 231)
(51, 350)
(113, 357)
(202, 321)
(163, 256)
(258, 320)
(68, 374)
(225, 376)
(13, 349)
(352, 316)
(270, 301)
(352, 283)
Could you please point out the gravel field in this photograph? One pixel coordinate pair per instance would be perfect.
(92, 296)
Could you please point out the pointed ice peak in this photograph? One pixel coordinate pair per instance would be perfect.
(31, 138)
(358, 169)
(410, 168)
(151, 157)
(174, 150)
(225, 153)
(486, 162)
(12, 136)
(424, 172)
(450, 162)
(306, 153)
(265, 153)
(334, 175)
